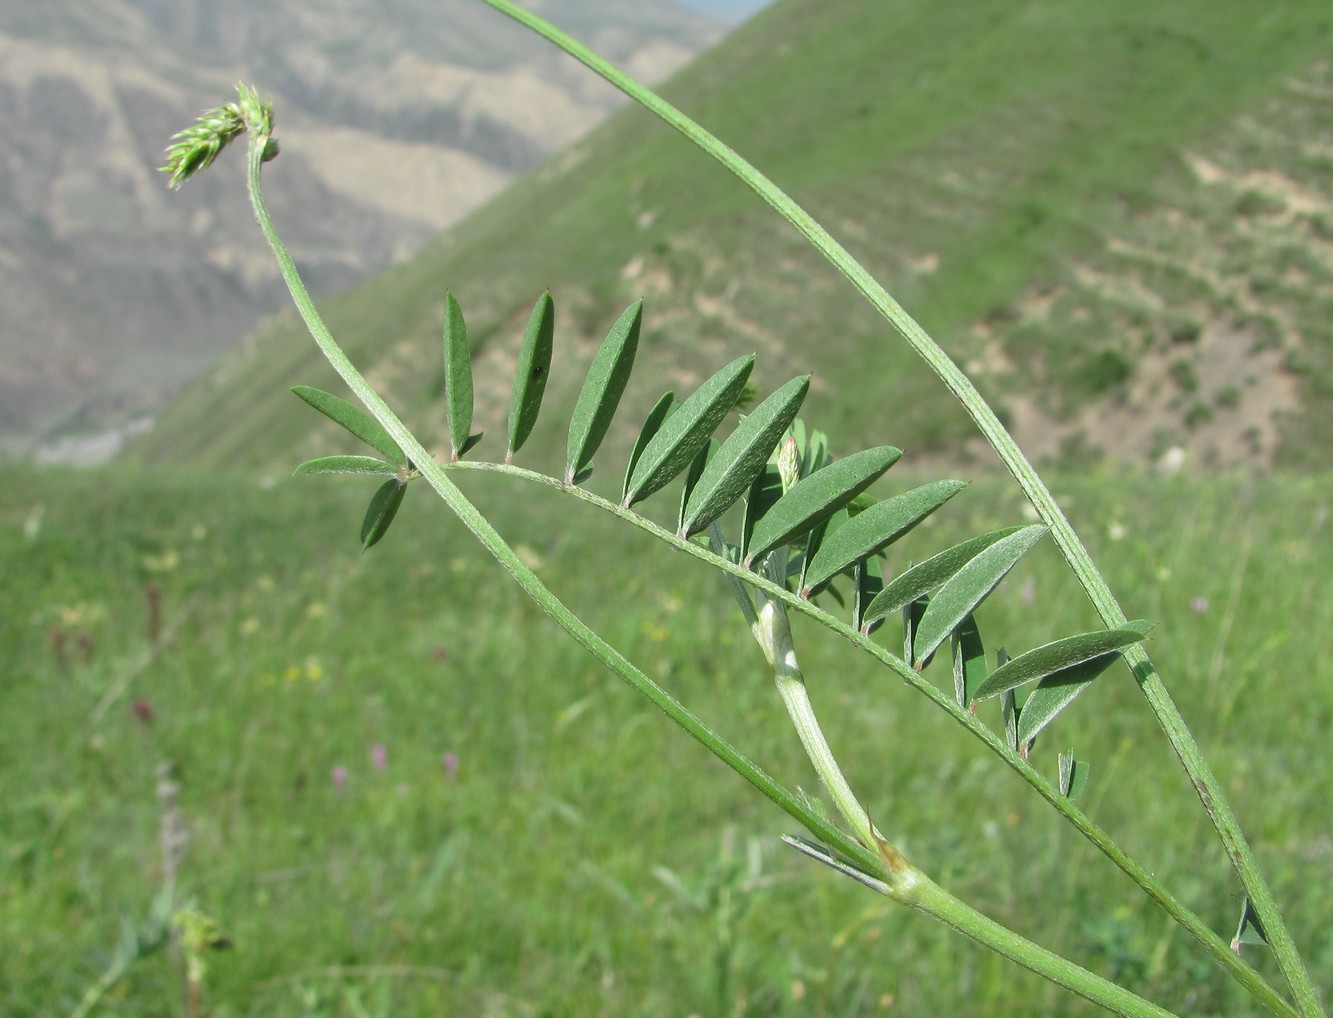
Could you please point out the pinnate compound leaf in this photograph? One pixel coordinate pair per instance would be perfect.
(926, 576)
(741, 458)
(960, 594)
(686, 431)
(457, 377)
(346, 465)
(601, 392)
(534, 366)
(875, 528)
(1056, 692)
(969, 661)
(1055, 657)
(354, 419)
(381, 511)
(661, 410)
(815, 498)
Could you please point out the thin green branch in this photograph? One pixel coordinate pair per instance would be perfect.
(1210, 791)
(913, 888)
(435, 476)
(1215, 946)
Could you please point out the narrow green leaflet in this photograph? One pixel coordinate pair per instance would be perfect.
(815, 540)
(926, 576)
(697, 468)
(911, 622)
(688, 430)
(457, 377)
(1250, 930)
(355, 420)
(1073, 775)
(661, 410)
(346, 465)
(742, 456)
(534, 366)
(765, 490)
(876, 528)
(960, 594)
(601, 392)
(969, 661)
(817, 497)
(1055, 657)
(381, 511)
(1057, 691)
(868, 581)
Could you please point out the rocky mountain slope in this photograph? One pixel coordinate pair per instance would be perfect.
(401, 117)
(1118, 218)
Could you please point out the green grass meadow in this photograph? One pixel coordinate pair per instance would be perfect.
(534, 839)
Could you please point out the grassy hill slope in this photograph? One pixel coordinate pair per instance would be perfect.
(1001, 167)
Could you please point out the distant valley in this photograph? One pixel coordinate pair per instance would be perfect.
(398, 119)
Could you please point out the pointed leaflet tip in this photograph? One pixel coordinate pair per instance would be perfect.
(926, 576)
(818, 497)
(687, 430)
(657, 416)
(874, 529)
(601, 392)
(741, 458)
(355, 420)
(457, 376)
(381, 511)
(534, 367)
(959, 596)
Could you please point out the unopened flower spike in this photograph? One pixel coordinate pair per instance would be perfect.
(195, 148)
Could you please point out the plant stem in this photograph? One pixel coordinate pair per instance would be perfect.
(435, 476)
(1215, 946)
(915, 889)
(1168, 716)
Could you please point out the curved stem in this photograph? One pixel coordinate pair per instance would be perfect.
(1168, 716)
(435, 476)
(905, 882)
(1215, 946)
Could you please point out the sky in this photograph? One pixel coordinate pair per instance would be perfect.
(728, 10)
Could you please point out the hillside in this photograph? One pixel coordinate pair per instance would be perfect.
(1120, 219)
(400, 117)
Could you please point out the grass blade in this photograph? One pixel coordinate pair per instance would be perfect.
(817, 497)
(534, 367)
(960, 594)
(874, 529)
(686, 431)
(355, 420)
(601, 392)
(742, 456)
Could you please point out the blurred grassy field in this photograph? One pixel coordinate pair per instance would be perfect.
(584, 857)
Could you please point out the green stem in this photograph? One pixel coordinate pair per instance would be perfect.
(1168, 716)
(915, 889)
(1216, 947)
(435, 476)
